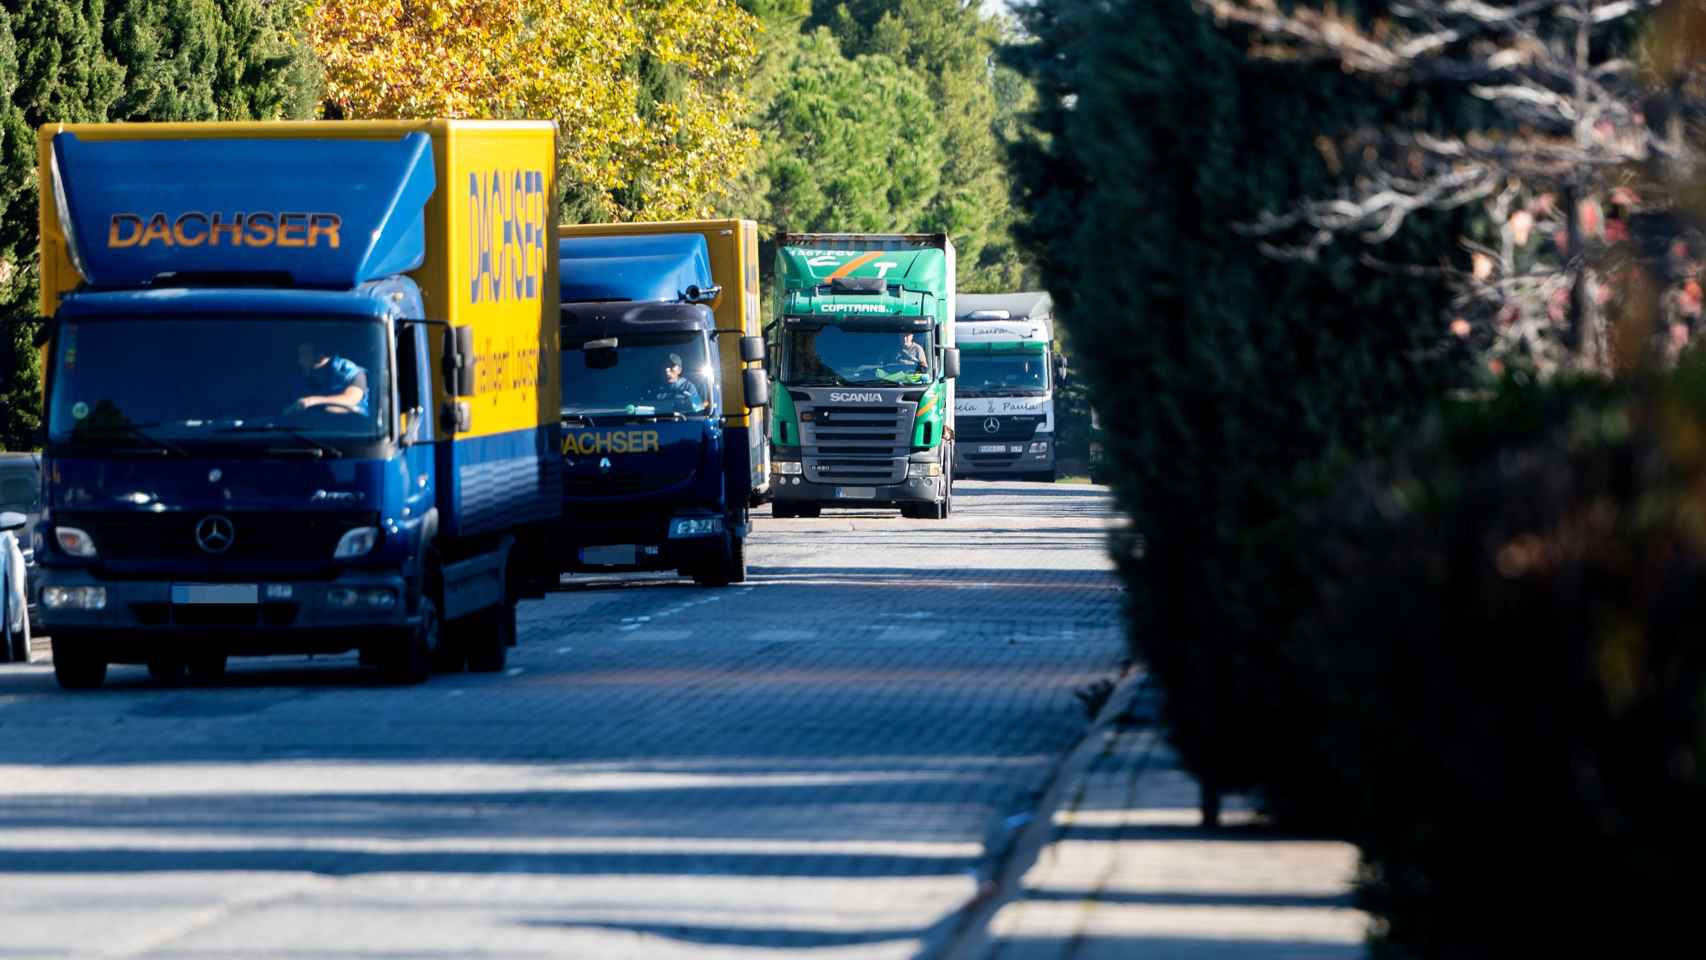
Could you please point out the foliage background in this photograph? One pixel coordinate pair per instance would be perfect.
(878, 115)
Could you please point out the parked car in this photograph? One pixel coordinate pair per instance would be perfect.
(14, 603)
(20, 492)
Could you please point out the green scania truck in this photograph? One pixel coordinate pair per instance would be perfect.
(862, 351)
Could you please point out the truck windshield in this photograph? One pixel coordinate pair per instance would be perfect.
(156, 381)
(834, 356)
(644, 375)
(1015, 374)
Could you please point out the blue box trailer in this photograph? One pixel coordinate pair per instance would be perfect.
(653, 478)
(300, 394)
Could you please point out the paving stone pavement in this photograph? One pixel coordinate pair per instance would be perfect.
(1128, 871)
(821, 761)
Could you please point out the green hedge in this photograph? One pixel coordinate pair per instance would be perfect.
(1505, 652)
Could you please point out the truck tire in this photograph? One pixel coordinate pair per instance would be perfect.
(168, 669)
(491, 635)
(810, 511)
(206, 667)
(782, 511)
(411, 659)
(78, 663)
(724, 566)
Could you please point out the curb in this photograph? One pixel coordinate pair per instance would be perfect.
(1015, 843)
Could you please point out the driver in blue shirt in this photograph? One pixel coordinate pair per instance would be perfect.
(330, 381)
(677, 387)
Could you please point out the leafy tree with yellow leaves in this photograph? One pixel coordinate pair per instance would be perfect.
(647, 95)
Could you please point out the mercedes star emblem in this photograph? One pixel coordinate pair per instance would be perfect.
(215, 534)
(215, 475)
(991, 425)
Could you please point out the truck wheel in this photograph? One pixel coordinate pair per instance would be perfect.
(726, 567)
(411, 660)
(811, 511)
(78, 663)
(168, 670)
(781, 511)
(206, 667)
(491, 636)
(737, 561)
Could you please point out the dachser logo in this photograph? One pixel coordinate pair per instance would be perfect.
(195, 229)
(616, 441)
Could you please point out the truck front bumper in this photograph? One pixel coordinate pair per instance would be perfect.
(1005, 458)
(133, 616)
(911, 490)
(607, 538)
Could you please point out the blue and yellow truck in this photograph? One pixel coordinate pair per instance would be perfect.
(301, 387)
(864, 361)
(664, 450)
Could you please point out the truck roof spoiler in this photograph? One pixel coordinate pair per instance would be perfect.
(864, 241)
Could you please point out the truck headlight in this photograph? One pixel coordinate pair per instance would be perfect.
(74, 598)
(1039, 446)
(356, 543)
(919, 471)
(789, 468)
(695, 527)
(74, 541)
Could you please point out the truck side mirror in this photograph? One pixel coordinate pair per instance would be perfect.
(751, 349)
(459, 360)
(757, 386)
(951, 363)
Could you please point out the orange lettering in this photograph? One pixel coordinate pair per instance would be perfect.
(261, 230)
(293, 230)
(234, 229)
(326, 224)
(157, 231)
(183, 237)
(116, 237)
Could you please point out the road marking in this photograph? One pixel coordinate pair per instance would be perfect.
(912, 634)
(664, 635)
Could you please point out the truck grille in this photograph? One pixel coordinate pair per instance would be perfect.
(973, 429)
(270, 542)
(850, 471)
(856, 430)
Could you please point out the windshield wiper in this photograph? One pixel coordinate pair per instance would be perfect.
(137, 430)
(324, 449)
(821, 382)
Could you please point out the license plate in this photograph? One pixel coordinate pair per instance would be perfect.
(216, 593)
(618, 555)
(992, 448)
(856, 493)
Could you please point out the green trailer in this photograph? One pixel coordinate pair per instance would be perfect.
(862, 352)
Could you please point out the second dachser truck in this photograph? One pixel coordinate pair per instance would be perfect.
(301, 391)
(664, 450)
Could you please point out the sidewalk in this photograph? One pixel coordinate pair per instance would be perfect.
(1125, 870)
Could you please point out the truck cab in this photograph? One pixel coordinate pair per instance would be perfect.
(280, 432)
(1004, 399)
(865, 361)
(652, 477)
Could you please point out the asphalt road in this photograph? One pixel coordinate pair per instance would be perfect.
(821, 761)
